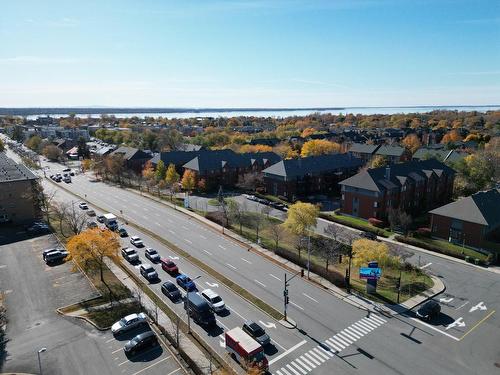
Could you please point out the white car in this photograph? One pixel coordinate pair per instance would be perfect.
(129, 322)
(136, 241)
(83, 206)
(214, 301)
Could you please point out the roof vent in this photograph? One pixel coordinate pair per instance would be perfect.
(387, 175)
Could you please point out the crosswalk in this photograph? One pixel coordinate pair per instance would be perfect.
(318, 355)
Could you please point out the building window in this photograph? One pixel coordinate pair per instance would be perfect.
(375, 204)
(389, 203)
(343, 197)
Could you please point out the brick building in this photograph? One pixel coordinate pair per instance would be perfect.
(414, 187)
(295, 178)
(468, 221)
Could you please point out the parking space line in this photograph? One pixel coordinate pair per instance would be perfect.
(435, 329)
(477, 324)
(287, 352)
(154, 364)
(110, 340)
(116, 351)
(462, 305)
(172, 372)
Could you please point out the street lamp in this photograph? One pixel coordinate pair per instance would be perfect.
(42, 350)
(188, 310)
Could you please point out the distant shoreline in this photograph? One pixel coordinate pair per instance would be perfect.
(212, 112)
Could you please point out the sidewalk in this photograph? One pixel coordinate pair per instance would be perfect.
(187, 346)
(358, 301)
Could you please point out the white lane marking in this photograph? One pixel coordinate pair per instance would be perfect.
(378, 318)
(278, 372)
(336, 343)
(364, 326)
(110, 340)
(170, 220)
(425, 266)
(459, 307)
(344, 337)
(296, 346)
(369, 323)
(296, 364)
(145, 209)
(145, 217)
(359, 327)
(332, 345)
(185, 228)
(202, 236)
(341, 341)
(328, 352)
(222, 247)
(293, 370)
(435, 329)
(157, 223)
(352, 332)
(154, 364)
(311, 358)
(189, 242)
(315, 355)
(258, 282)
(308, 296)
(171, 231)
(275, 277)
(304, 359)
(208, 252)
(237, 313)
(320, 353)
(293, 303)
(247, 261)
(116, 351)
(373, 321)
(230, 265)
(172, 372)
(277, 343)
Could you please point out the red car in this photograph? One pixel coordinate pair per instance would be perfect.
(169, 266)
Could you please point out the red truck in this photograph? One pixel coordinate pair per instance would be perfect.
(246, 351)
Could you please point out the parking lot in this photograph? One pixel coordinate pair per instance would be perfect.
(33, 292)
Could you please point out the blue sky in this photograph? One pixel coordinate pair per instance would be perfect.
(249, 53)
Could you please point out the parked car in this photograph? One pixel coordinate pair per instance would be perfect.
(169, 266)
(91, 212)
(67, 179)
(140, 342)
(152, 255)
(185, 282)
(130, 254)
(122, 232)
(100, 218)
(148, 272)
(129, 322)
(71, 173)
(171, 291)
(38, 228)
(83, 206)
(91, 224)
(55, 256)
(199, 310)
(368, 235)
(214, 300)
(257, 332)
(429, 310)
(46, 251)
(136, 241)
(67, 170)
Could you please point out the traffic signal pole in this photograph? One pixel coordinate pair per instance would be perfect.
(286, 299)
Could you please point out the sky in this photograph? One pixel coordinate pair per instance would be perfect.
(249, 53)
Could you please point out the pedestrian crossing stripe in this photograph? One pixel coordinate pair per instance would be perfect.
(331, 346)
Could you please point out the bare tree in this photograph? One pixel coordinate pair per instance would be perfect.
(76, 219)
(257, 222)
(60, 211)
(277, 231)
(41, 199)
(250, 181)
(237, 212)
(266, 210)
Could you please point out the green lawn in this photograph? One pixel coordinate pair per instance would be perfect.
(356, 223)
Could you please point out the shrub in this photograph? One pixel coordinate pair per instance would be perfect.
(423, 232)
(376, 222)
(216, 217)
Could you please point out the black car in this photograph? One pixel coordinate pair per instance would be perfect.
(66, 170)
(368, 235)
(100, 218)
(56, 256)
(429, 310)
(122, 232)
(170, 290)
(140, 342)
(257, 332)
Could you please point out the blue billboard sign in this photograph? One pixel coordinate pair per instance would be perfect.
(370, 273)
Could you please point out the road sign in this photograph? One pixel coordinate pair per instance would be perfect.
(370, 273)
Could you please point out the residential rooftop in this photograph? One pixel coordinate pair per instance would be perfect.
(12, 171)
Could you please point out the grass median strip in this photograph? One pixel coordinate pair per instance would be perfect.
(200, 264)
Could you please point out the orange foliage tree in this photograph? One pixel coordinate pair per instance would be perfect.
(255, 148)
(452, 136)
(319, 147)
(411, 142)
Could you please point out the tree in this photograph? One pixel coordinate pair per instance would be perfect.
(307, 132)
(411, 142)
(480, 170)
(366, 251)
(317, 147)
(75, 218)
(250, 181)
(378, 161)
(87, 164)
(277, 232)
(17, 133)
(188, 181)
(451, 137)
(223, 206)
(160, 171)
(41, 198)
(52, 152)
(90, 249)
(34, 143)
(83, 150)
(255, 148)
(2, 146)
(172, 180)
(302, 217)
(237, 212)
(115, 166)
(286, 151)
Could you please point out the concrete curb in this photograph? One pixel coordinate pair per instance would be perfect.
(85, 319)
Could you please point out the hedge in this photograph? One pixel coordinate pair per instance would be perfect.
(367, 227)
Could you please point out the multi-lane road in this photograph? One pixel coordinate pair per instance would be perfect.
(332, 335)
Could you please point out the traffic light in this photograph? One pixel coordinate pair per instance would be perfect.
(287, 300)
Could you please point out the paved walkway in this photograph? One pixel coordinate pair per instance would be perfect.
(104, 306)
(355, 300)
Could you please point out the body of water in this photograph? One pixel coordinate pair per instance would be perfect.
(276, 113)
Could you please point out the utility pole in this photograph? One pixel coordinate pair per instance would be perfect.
(286, 299)
(399, 285)
(348, 273)
(308, 254)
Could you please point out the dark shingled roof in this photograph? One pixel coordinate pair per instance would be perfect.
(444, 155)
(314, 165)
(480, 208)
(363, 148)
(375, 179)
(177, 158)
(390, 151)
(130, 153)
(207, 160)
(12, 171)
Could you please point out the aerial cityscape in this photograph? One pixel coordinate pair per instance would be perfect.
(283, 187)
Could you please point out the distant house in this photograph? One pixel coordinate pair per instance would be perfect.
(414, 187)
(133, 157)
(363, 151)
(468, 221)
(439, 154)
(265, 141)
(295, 178)
(394, 154)
(189, 147)
(224, 167)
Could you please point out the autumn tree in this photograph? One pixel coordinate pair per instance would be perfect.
(115, 166)
(34, 143)
(411, 142)
(317, 147)
(302, 217)
(366, 251)
(255, 148)
(148, 174)
(286, 151)
(52, 152)
(90, 248)
(2, 146)
(87, 164)
(172, 180)
(188, 181)
(451, 136)
(277, 232)
(307, 132)
(378, 161)
(160, 171)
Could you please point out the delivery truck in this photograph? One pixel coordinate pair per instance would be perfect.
(246, 351)
(110, 221)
